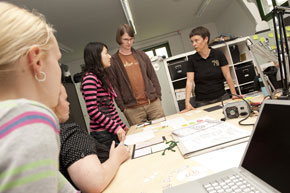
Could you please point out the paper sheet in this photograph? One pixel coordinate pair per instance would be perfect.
(196, 126)
(150, 142)
(208, 137)
(176, 123)
(222, 159)
(195, 121)
(192, 112)
(159, 147)
(139, 137)
(142, 152)
(149, 128)
(150, 146)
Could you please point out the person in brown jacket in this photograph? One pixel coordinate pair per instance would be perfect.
(134, 80)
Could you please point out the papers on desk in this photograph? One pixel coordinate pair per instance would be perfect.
(139, 137)
(222, 159)
(175, 123)
(208, 135)
(148, 147)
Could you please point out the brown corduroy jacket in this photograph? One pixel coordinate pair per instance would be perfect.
(121, 82)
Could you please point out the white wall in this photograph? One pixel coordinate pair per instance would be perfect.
(236, 20)
(179, 43)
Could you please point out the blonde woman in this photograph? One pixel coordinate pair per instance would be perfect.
(30, 82)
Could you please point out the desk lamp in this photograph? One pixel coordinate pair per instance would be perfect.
(282, 47)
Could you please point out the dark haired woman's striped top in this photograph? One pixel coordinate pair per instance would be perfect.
(100, 105)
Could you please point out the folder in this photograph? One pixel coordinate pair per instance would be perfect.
(207, 136)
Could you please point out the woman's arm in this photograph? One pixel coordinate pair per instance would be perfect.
(90, 93)
(90, 176)
(188, 91)
(227, 75)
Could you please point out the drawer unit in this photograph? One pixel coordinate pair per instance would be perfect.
(177, 68)
(247, 88)
(245, 72)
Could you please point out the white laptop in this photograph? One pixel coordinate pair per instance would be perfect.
(265, 166)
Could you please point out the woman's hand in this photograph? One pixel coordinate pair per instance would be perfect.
(237, 97)
(120, 153)
(121, 134)
(188, 107)
(126, 129)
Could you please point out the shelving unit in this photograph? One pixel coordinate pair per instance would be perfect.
(241, 68)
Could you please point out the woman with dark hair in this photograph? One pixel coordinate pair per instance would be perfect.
(105, 123)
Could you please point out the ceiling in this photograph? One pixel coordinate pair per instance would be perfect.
(79, 21)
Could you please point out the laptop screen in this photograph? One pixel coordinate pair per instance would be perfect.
(268, 154)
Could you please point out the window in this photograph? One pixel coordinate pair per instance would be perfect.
(160, 50)
(266, 7)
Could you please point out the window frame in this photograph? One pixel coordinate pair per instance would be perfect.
(268, 16)
(153, 48)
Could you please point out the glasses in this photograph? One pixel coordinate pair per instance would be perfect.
(128, 40)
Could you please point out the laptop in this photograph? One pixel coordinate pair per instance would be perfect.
(265, 166)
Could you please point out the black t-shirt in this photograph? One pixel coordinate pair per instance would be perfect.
(77, 143)
(208, 76)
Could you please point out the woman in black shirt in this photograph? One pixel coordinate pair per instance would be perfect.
(207, 69)
(80, 154)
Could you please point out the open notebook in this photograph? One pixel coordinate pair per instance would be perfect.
(208, 135)
(265, 166)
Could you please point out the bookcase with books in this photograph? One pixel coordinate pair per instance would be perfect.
(242, 69)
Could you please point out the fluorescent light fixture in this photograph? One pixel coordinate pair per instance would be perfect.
(128, 14)
(202, 7)
(65, 48)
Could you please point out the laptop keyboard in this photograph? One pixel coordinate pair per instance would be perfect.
(231, 184)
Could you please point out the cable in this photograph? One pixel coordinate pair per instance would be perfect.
(246, 124)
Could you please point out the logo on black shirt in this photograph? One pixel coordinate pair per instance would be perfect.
(215, 63)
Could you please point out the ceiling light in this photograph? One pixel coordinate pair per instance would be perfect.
(128, 14)
(65, 49)
(202, 7)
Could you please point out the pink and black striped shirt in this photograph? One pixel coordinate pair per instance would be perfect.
(100, 105)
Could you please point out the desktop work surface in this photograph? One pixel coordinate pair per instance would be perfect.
(156, 172)
(264, 167)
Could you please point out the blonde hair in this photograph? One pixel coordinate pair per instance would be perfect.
(21, 29)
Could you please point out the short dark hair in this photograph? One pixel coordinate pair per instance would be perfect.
(201, 31)
(122, 29)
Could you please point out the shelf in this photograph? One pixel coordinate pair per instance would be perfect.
(168, 60)
(246, 83)
(236, 41)
(245, 61)
(253, 94)
(184, 78)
